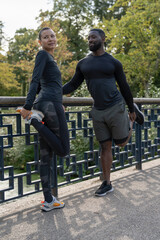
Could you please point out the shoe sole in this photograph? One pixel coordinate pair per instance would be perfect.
(18, 109)
(103, 194)
(38, 112)
(139, 115)
(39, 117)
(50, 209)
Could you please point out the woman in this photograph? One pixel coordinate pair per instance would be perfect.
(53, 134)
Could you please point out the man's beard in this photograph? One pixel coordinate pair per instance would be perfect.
(95, 47)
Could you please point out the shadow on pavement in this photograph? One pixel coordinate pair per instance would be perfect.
(131, 212)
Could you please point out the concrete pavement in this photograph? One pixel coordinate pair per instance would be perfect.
(131, 212)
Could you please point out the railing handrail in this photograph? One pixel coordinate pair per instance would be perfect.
(69, 101)
(8, 101)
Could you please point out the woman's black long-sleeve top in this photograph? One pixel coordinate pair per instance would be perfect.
(46, 74)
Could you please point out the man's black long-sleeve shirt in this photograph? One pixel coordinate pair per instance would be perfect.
(101, 74)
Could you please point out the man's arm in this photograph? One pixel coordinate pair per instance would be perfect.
(75, 82)
(123, 85)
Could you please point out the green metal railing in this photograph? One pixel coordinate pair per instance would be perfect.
(83, 161)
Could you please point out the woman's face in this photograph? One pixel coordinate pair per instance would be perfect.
(48, 40)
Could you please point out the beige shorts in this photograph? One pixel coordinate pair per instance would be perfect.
(111, 123)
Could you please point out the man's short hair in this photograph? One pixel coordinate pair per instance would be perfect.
(100, 31)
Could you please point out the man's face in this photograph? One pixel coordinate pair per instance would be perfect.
(94, 41)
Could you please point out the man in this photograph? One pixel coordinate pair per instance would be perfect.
(110, 118)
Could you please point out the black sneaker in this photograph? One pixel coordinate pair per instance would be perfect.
(104, 189)
(139, 115)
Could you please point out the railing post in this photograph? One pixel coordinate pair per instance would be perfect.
(138, 134)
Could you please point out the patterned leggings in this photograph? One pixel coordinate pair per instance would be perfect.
(53, 137)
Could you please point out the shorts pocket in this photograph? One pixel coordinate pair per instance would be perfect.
(122, 107)
(95, 114)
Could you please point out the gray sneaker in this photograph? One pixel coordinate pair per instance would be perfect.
(104, 189)
(35, 114)
(52, 205)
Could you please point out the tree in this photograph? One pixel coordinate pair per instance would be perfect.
(107, 9)
(8, 84)
(18, 46)
(134, 40)
(77, 17)
(22, 50)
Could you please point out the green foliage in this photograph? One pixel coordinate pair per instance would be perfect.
(77, 17)
(134, 40)
(8, 84)
(102, 9)
(152, 91)
(20, 48)
(21, 54)
(82, 91)
(79, 146)
(19, 155)
(132, 30)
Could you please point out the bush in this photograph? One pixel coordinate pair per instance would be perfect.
(19, 154)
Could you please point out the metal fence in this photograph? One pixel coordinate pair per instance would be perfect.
(19, 146)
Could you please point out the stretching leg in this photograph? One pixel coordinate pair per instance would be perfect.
(55, 130)
(128, 138)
